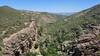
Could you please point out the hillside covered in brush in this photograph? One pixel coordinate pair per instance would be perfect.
(68, 29)
(12, 20)
(54, 30)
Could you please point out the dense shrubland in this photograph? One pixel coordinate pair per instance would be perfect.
(53, 30)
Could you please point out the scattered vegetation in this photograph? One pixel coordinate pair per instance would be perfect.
(52, 31)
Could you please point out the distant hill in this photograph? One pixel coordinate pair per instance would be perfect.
(66, 13)
(90, 13)
(7, 10)
(11, 18)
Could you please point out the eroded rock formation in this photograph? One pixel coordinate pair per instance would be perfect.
(21, 42)
(88, 44)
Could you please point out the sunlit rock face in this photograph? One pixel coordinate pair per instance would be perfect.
(18, 44)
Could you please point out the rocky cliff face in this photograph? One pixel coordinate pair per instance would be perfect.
(88, 44)
(21, 42)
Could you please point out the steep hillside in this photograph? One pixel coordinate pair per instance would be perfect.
(92, 13)
(63, 31)
(13, 20)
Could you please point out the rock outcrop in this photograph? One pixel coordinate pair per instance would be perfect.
(88, 44)
(18, 44)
